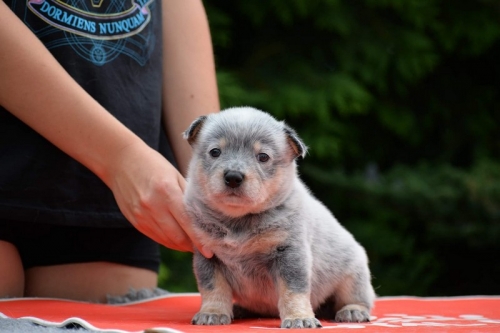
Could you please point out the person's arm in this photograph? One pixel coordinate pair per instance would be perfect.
(189, 81)
(37, 90)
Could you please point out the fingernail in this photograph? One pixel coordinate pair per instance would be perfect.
(207, 253)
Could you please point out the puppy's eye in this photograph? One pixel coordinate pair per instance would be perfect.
(215, 152)
(263, 157)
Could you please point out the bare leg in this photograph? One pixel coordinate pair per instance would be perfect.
(11, 271)
(86, 281)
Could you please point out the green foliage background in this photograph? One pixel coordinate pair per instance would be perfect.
(399, 102)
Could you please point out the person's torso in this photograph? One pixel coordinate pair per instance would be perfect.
(113, 50)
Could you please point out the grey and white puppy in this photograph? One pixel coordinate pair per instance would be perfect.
(278, 250)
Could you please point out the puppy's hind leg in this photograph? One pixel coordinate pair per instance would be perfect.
(354, 298)
(216, 293)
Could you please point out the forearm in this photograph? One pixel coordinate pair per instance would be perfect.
(189, 86)
(37, 90)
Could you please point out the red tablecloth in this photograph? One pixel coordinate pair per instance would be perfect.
(394, 314)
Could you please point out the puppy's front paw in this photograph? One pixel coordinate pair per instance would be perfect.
(352, 313)
(204, 318)
(300, 323)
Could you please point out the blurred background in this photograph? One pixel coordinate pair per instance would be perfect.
(399, 102)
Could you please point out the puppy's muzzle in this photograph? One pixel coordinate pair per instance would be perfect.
(233, 179)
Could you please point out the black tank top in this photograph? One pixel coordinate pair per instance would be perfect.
(112, 48)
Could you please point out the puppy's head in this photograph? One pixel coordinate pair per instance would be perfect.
(243, 160)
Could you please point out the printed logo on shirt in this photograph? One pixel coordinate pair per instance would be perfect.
(99, 31)
(90, 22)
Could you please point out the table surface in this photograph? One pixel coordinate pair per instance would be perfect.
(173, 313)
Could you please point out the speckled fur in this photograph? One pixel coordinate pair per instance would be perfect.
(280, 251)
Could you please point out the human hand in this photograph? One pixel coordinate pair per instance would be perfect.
(149, 192)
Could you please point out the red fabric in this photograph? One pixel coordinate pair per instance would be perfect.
(400, 314)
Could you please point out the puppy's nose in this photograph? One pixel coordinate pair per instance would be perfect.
(233, 179)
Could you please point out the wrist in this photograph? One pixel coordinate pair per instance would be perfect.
(123, 157)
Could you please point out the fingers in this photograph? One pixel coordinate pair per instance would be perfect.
(152, 200)
(182, 183)
(164, 218)
(179, 213)
(166, 232)
(158, 222)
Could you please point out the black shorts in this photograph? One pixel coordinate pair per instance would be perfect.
(46, 245)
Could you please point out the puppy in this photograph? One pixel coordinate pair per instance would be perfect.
(277, 250)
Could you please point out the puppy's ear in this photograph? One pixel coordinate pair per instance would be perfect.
(192, 132)
(298, 147)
